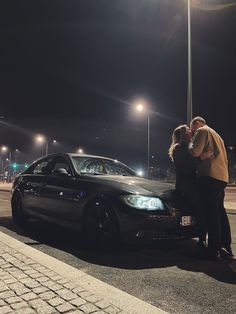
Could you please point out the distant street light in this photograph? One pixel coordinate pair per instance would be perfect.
(140, 107)
(80, 151)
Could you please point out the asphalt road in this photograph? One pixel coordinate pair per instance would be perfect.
(167, 274)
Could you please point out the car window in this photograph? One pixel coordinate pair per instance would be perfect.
(42, 167)
(61, 162)
(88, 165)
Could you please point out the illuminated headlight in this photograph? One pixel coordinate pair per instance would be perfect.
(143, 202)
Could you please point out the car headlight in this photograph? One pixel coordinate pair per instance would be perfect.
(143, 202)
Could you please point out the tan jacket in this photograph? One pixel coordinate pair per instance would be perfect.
(206, 139)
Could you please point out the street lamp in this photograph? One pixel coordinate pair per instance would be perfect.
(189, 92)
(140, 108)
(80, 151)
(42, 139)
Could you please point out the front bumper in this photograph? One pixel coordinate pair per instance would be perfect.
(149, 226)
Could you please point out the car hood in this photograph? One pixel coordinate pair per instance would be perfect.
(138, 185)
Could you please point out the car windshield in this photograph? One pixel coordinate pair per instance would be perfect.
(100, 166)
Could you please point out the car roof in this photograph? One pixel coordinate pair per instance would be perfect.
(74, 155)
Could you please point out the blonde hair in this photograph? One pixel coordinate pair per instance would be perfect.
(178, 137)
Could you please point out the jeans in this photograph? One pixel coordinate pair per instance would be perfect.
(217, 223)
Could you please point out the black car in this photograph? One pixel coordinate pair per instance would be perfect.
(101, 197)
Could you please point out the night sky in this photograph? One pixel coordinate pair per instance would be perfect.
(72, 70)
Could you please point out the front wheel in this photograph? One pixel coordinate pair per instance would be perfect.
(101, 228)
(17, 210)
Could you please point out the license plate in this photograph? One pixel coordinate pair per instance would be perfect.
(186, 221)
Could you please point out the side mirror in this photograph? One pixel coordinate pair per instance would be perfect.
(61, 172)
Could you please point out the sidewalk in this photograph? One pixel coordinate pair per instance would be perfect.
(33, 282)
(5, 186)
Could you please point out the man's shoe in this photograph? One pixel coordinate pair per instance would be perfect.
(226, 253)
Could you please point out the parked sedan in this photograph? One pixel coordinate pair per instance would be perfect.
(101, 197)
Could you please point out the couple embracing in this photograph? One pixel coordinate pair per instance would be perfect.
(200, 159)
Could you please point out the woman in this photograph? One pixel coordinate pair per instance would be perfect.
(185, 167)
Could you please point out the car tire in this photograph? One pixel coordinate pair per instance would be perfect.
(18, 214)
(101, 228)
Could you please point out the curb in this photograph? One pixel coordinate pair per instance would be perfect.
(119, 298)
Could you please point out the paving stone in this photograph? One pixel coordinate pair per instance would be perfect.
(3, 287)
(84, 294)
(29, 296)
(2, 302)
(47, 295)
(62, 281)
(7, 265)
(30, 283)
(12, 280)
(102, 304)
(112, 309)
(56, 287)
(7, 294)
(56, 278)
(25, 310)
(99, 312)
(41, 306)
(42, 279)
(13, 300)
(48, 283)
(31, 271)
(36, 275)
(65, 307)
(89, 308)
(78, 289)
(5, 309)
(21, 276)
(70, 285)
(76, 312)
(40, 290)
(92, 298)
(56, 301)
(78, 301)
(66, 294)
(18, 305)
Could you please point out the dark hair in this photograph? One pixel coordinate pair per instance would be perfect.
(177, 138)
(198, 119)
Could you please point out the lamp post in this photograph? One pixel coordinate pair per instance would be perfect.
(42, 139)
(189, 92)
(140, 108)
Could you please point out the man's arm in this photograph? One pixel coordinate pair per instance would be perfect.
(198, 143)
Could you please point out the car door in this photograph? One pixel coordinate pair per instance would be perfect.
(33, 182)
(58, 190)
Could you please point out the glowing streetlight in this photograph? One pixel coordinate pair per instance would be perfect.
(4, 149)
(41, 140)
(80, 151)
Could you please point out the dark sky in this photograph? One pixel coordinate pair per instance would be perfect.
(72, 70)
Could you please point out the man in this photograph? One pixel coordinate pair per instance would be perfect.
(213, 178)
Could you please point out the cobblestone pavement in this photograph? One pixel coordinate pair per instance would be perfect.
(27, 286)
